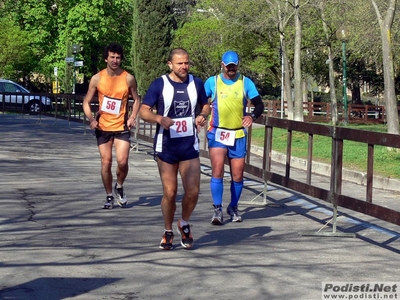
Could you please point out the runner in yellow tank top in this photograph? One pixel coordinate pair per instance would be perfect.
(112, 122)
(229, 92)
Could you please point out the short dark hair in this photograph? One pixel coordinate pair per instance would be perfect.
(178, 51)
(115, 48)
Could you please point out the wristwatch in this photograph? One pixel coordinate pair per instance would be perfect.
(253, 116)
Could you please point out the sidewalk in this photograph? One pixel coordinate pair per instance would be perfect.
(57, 243)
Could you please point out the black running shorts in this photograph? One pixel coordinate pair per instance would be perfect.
(105, 136)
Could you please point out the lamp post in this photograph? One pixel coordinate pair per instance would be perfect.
(75, 49)
(343, 34)
(282, 77)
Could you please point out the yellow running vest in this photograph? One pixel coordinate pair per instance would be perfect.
(229, 102)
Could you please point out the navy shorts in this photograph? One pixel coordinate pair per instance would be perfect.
(174, 158)
(105, 136)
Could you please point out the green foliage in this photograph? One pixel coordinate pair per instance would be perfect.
(203, 40)
(53, 26)
(151, 39)
(42, 31)
(16, 52)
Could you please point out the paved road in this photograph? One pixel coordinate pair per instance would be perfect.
(56, 242)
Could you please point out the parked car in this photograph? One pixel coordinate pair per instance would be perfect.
(32, 102)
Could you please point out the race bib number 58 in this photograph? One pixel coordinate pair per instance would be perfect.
(111, 105)
(226, 137)
(182, 127)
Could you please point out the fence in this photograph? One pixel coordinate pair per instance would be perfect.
(322, 112)
(70, 107)
(338, 135)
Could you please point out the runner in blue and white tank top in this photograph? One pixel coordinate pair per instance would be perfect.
(175, 97)
(176, 101)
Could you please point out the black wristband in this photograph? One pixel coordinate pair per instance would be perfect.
(203, 115)
(253, 116)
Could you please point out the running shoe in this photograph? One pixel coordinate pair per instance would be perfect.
(234, 213)
(121, 197)
(166, 241)
(109, 204)
(217, 218)
(186, 235)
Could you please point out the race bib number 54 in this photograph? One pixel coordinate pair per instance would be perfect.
(226, 137)
(111, 105)
(182, 127)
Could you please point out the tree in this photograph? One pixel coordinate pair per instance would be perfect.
(298, 99)
(55, 25)
(15, 53)
(153, 24)
(202, 39)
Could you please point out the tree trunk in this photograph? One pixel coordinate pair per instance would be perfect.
(287, 85)
(391, 111)
(356, 93)
(298, 99)
(332, 89)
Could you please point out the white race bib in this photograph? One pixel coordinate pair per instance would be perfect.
(225, 136)
(182, 127)
(111, 105)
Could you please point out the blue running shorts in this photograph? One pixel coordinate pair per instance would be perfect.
(238, 150)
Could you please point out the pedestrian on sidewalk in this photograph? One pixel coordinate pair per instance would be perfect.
(229, 92)
(112, 122)
(175, 97)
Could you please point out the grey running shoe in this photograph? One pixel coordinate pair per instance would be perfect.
(217, 218)
(166, 241)
(109, 204)
(234, 213)
(186, 235)
(121, 197)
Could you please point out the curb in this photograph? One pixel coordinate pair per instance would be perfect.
(356, 177)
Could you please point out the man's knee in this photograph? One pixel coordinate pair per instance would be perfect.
(193, 193)
(123, 166)
(170, 193)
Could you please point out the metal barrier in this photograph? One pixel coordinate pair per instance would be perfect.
(334, 194)
(70, 107)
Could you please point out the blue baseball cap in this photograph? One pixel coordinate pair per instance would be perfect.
(230, 57)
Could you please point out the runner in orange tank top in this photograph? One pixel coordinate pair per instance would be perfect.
(112, 122)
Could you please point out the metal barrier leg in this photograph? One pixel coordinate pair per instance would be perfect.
(135, 145)
(335, 188)
(334, 232)
(264, 202)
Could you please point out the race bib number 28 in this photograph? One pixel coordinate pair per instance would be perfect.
(182, 127)
(226, 137)
(111, 105)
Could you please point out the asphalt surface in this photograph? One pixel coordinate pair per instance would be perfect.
(57, 243)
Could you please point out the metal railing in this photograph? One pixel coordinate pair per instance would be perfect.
(69, 107)
(322, 112)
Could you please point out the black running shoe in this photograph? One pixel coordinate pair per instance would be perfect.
(234, 213)
(121, 197)
(109, 204)
(166, 241)
(186, 235)
(217, 218)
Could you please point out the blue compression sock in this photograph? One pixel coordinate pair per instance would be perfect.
(217, 189)
(236, 191)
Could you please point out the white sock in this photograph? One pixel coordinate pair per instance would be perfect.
(183, 223)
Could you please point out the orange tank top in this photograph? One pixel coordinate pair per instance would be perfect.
(113, 94)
